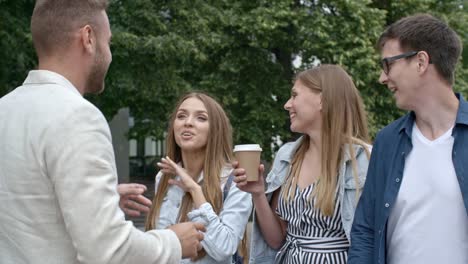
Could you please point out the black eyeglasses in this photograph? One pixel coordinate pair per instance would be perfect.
(386, 62)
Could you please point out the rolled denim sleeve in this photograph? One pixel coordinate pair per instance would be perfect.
(362, 231)
(224, 232)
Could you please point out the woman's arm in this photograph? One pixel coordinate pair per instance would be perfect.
(185, 182)
(224, 232)
(271, 226)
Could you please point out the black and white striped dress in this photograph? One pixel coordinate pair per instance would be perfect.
(311, 236)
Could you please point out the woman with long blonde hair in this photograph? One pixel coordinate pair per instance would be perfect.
(305, 213)
(195, 180)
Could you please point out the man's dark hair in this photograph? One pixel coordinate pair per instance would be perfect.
(54, 21)
(423, 32)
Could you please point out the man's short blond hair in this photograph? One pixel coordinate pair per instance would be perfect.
(54, 21)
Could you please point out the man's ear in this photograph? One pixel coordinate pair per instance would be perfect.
(87, 38)
(423, 60)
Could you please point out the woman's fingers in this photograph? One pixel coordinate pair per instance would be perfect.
(170, 162)
(238, 172)
(240, 178)
(241, 184)
(261, 169)
(185, 181)
(163, 164)
(168, 166)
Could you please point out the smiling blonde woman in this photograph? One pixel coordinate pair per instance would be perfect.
(305, 213)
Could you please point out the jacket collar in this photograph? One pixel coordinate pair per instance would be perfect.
(36, 77)
(347, 155)
(462, 113)
(288, 156)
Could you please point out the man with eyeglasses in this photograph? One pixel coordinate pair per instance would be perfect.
(414, 205)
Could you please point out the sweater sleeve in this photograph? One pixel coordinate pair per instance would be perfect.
(224, 232)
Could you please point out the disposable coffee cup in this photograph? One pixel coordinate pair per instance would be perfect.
(248, 156)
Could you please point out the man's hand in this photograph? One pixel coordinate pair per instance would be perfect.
(132, 201)
(190, 234)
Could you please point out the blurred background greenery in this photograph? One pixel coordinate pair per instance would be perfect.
(243, 52)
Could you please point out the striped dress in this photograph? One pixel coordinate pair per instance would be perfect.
(311, 236)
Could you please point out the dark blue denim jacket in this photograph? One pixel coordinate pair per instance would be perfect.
(384, 177)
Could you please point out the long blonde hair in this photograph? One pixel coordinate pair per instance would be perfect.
(218, 154)
(344, 123)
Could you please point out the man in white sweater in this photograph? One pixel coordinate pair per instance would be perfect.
(58, 184)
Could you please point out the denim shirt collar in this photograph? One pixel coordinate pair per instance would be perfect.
(288, 156)
(462, 117)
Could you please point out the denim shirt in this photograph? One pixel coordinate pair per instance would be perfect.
(392, 145)
(223, 231)
(260, 252)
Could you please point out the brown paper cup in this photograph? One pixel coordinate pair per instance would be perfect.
(248, 156)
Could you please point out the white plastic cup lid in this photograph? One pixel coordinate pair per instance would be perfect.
(247, 147)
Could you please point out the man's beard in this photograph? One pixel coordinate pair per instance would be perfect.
(95, 83)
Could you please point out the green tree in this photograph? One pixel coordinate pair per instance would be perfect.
(242, 52)
(16, 51)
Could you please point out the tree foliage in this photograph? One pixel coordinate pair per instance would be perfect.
(244, 53)
(16, 51)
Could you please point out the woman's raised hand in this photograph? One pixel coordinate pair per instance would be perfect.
(185, 182)
(253, 187)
